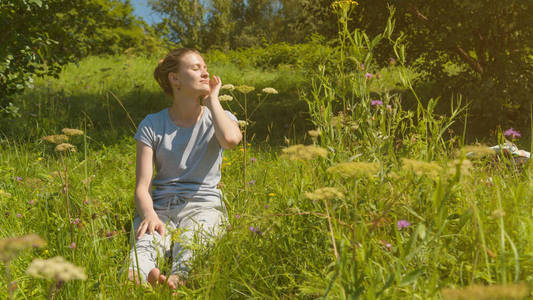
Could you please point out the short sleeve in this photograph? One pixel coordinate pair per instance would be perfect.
(145, 133)
(231, 116)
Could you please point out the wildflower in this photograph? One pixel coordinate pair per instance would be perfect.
(271, 194)
(230, 87)
(242, 124)
(75, 221)
(369, 76)
(251, 182)
(223, 98)
(266, 206)
(301, 152)
(17, 178)
(386, 244)
(313, 133)
(237, 216)
(56, 268)
(513, 134)
(245, 89)
(19, 215)
(481, 292)
(421, 167)
(376, 102)
(65, 147)
(362, 66)
(86, 202)
(476, 151)
(255, 230)
(392, 61)
(269, 90)
(401, 224)
(72, 245)
(72, 131)
(10, 247)
(55, 139)
(252, 160)
(354, 169)
(39, 158)
(325, 193)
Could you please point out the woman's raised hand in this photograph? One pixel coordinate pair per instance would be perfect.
(214, 85)
(150, 224)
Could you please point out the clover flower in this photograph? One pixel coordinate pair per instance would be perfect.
(401, 224)
(245, 89)
(512, 133)
(376, 102)
(65, 147)
(229, 87)
(302, 152)
(57, 269)
(72, 245)
(10, 247)
(325, 193)
(269, 90)
(55, 139)
(420, 168)
(252, 160)
(72, 131)
(482, 292)
(223, 98)
(354, 169)
(369, 76)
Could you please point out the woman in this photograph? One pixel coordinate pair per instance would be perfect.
(186, 142)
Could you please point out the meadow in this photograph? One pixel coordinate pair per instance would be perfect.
(348, 193)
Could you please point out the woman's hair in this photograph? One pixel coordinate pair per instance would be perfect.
(171, 63)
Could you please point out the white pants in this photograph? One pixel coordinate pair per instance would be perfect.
(188, 222)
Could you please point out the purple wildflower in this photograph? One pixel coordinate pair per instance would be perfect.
(255, 230)
(266, 206)
(72, 245)
(18, 178)
(401, 224)
(512, 133)
(362, 66)
(86, 202)
(392, 61)
(75, 221)
(19, 215)
(369, 76)
(252, 229)
(253, 159)
(237, 216)
(376, 102)
(251, 182)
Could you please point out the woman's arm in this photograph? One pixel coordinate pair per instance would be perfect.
(143, 199)
(226, 130)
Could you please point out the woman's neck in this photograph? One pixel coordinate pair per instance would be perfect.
(185, 113)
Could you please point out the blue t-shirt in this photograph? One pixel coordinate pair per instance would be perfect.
(187, 160)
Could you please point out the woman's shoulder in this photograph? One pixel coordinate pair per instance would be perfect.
(156, 117)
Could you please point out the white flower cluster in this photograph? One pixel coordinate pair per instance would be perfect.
(56, 268)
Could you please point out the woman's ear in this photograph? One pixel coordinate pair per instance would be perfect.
(173, 79)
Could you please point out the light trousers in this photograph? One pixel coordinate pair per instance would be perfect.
(189, 223)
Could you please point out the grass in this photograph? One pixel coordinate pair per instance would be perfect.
(468, 227)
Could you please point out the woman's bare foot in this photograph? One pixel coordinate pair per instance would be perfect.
(174, 281)
(132, 275)
(153, 277)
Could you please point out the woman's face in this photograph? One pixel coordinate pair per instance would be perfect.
(192, 76)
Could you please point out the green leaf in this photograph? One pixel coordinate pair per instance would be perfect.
(411, 277)
(37, 2)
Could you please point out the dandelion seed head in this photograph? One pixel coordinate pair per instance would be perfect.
(56, 268)
(302, 152)
(325, 193)
(245, 89)
(55, 139)
(72, 131)
(269, 90)
(65, 147)
(223, 98)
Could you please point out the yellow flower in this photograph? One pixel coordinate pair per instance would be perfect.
(271, 194)
(325, 193)
(301, 152)
(56, 268)
(46, 252)
(39, 158)
(245, 89)
(71, 131)
(248, 144)
(228, 163)
(269, 90)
